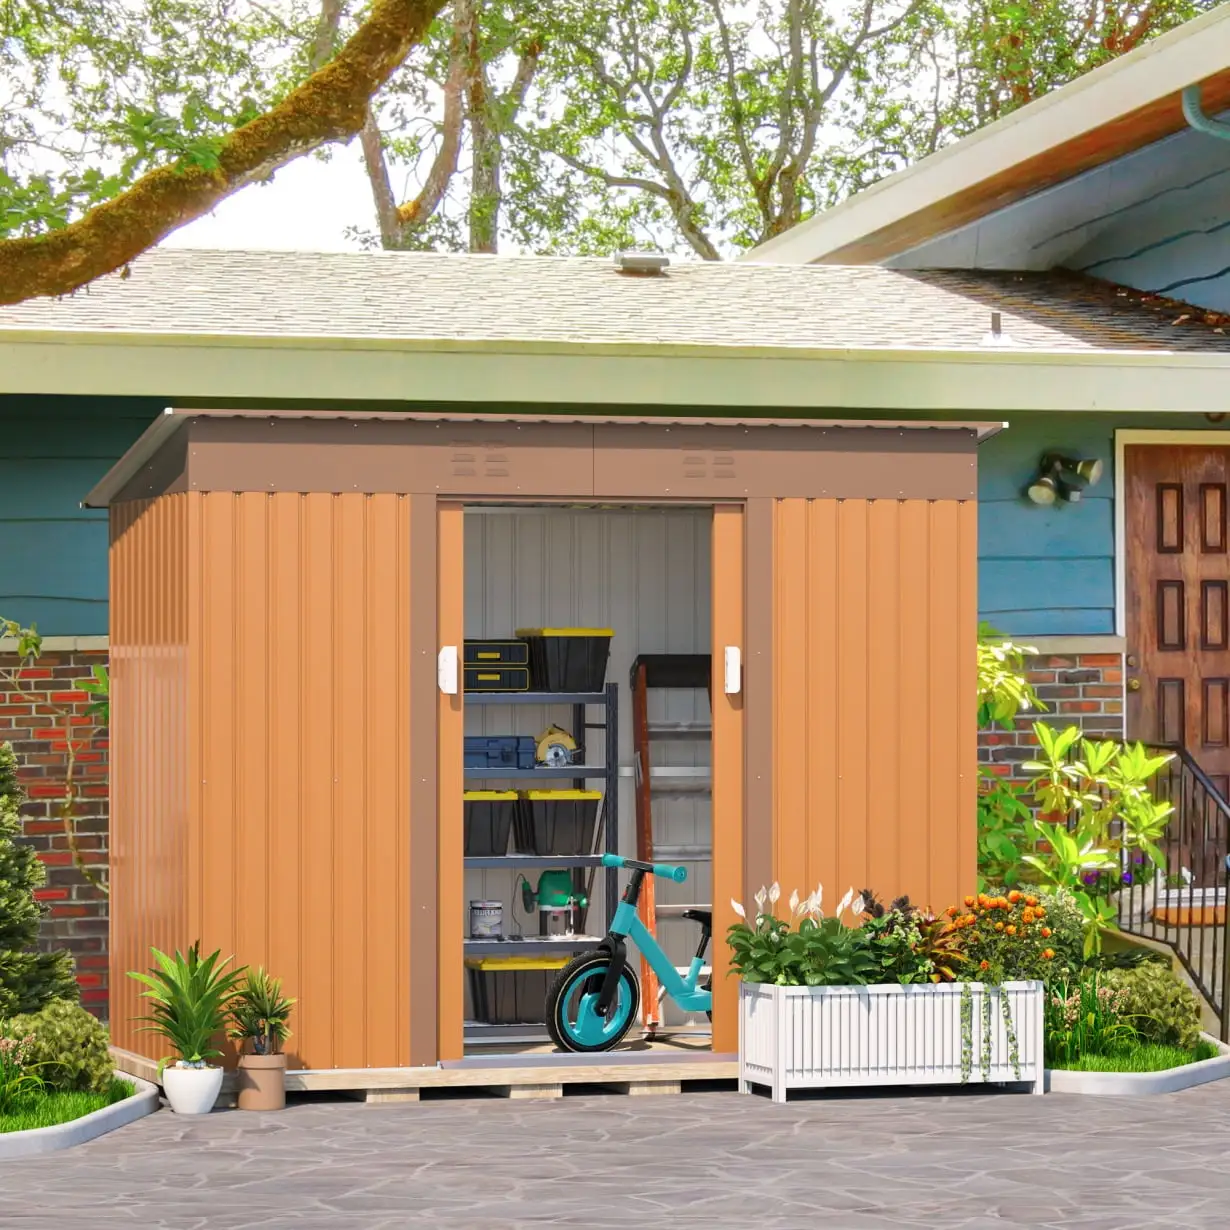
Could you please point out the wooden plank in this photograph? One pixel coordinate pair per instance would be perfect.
(854, 747)
(791, 684)
(823, 715)
(888, 724)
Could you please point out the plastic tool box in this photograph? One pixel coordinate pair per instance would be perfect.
(568, 659)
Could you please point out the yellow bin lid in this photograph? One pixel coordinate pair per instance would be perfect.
(514, 963)
(565, 632)
(561, 796)
(489, 796)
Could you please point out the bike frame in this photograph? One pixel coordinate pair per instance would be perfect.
(683, 990)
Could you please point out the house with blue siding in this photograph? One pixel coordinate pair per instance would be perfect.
(1064, 272)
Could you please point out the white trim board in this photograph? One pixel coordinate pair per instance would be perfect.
(1124, 437)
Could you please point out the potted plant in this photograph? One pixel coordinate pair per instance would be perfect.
(259, 1016)
(190, 995)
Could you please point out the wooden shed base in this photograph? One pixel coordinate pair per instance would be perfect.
(536, 1077)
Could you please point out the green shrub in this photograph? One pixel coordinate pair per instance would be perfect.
(1157, 1004)
(69, 1047)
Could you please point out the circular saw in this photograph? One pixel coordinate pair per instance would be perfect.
(556, 748)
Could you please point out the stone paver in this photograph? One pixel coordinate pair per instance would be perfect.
(711, 1160)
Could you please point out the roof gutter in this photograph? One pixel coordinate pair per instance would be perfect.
(1193, 113)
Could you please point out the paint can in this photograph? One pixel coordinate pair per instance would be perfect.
(486, 920)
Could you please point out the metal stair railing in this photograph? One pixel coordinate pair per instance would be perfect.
(1185, 907)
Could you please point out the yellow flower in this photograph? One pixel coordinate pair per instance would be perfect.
(1014, 896)
(1011, 930)
(999, 926)
(969, 900)
(1031, 901)
(1048, 953)
(1046, 933)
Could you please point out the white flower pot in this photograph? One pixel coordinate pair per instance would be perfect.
(828, 1037)
(191, 1091)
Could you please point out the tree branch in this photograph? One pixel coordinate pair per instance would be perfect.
(326, 33)
(377, 167)
(736, 105)
(331, 105)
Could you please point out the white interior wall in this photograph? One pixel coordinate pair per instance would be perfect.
(645, 573)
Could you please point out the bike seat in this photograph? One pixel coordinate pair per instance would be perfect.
(704, 917)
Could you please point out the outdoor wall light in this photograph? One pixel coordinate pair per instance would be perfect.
(1063, 478)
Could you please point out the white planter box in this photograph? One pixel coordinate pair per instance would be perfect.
(826, 1037)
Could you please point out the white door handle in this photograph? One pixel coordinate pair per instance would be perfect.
(734, 670)
(446, 670)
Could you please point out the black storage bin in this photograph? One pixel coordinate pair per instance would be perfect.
(489, 816)
(557, 821)
(496, 678)
(496, 653)
(511, 990)
(499, 752)
(568, 659)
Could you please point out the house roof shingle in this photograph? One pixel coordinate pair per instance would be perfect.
(426, 297)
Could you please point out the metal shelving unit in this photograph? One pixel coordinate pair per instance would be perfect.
(606, 830)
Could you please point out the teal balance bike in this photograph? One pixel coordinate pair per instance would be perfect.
(594, 1001)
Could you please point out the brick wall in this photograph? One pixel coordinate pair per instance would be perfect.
(1083, 690)
(30, 721)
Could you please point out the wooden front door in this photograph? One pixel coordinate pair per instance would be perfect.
(1178, 618)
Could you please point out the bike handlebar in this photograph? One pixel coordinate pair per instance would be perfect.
(665, 870)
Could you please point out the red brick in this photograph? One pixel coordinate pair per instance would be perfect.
(93, 962)
(36, 672)
(1101, 689)
(94, 996)
(1101, 659)
(55, 791)
(50, 894)
(89, 980)
(31, 827)
(56, 860)
(68, 911)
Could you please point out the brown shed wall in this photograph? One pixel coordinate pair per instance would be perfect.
(874, 621)
(149, 741)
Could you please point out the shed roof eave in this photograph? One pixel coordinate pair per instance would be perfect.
(158, 434)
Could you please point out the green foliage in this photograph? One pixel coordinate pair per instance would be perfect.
(1160, 1007)
(99, 687)
(805, 950)
(28, 978)
(47, 1109)
(1003, 689)
(1141, 1057)
(68, 1047)
(190, 997)
(1086, 1017)
(19, 1076)
(909, 944)
(1004, 831)
(260, 1014)
(1106, 817)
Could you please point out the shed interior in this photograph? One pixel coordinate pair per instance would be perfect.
(643, 573)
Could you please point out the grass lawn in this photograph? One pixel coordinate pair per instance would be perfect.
(47, 1109)
(1142, 1059)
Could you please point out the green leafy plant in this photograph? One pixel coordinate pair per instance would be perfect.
(910, 944)
(28, 978)
(1084, 1018)
(260, 1014)
(1104, 818)
(1004, 824)
(807, 949)
(1003, 689)
(99, 687)
(18, 1078)
(69, 1047)
(190, 996)
(1160, 1007)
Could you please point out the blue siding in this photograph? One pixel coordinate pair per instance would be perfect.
(53, 553)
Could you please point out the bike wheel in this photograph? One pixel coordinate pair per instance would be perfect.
(572, 1021)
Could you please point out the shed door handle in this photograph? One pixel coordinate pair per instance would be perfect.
(446, 670)
(733, 666)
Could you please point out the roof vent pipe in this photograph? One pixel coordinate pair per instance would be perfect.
(646, 264)
(1193, 113)
(997, 336)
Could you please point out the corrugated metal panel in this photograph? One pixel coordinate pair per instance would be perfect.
(301, 738)
(149, 740)
(874, 620)
(646, 574)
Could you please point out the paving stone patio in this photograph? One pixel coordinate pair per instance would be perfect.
(709, 1159)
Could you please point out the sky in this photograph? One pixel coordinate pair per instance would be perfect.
(306, 208)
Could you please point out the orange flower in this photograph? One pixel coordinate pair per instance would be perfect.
(1027, 916)
(1046, 933)
(1014, 896)
(983, 900)
(1048, 953)
(1040, 911)
(951, 911)
(1002, 903)
(984, 965)
(1031, 901)
(969, 900)
(976, 937)
(999, 926)
(968, 920)
(1011, 930)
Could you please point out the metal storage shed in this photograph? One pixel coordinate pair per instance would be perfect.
(288, 774)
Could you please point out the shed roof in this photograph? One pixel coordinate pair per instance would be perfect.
(1124, 106)
(417, 297)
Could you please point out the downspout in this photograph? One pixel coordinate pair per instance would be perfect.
(1193, 113)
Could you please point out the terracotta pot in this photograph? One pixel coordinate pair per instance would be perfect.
(191, 1091)
(262, 1082)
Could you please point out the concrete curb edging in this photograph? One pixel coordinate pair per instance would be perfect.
(1132, 1084)
(35, 1141)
